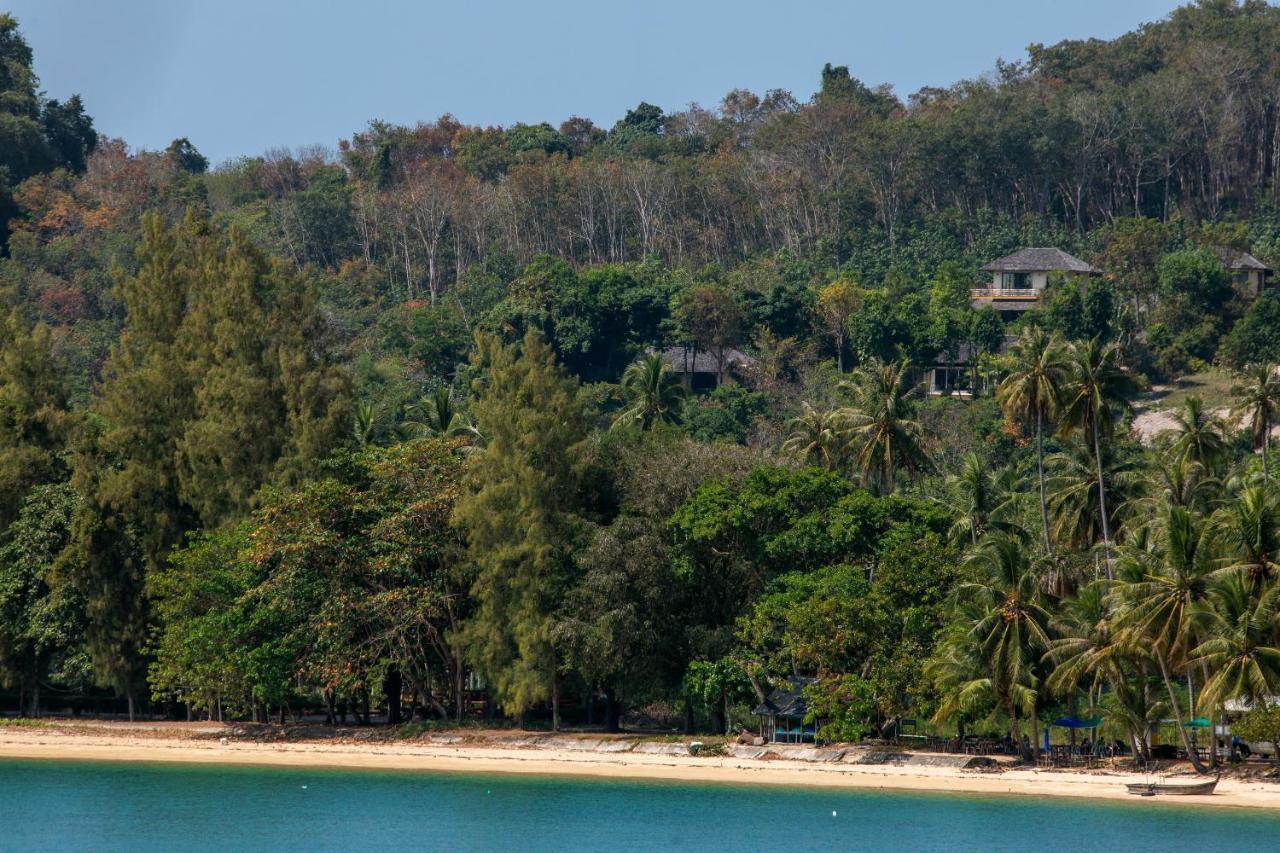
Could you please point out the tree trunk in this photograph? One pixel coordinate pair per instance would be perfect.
(717, 718)
(459, 698)
(1044, 504)
(129, 698)
(1266, 442)
(612, 711)
(330, 709)
(393, 685)
(1102, 499)
(1177, 715)
(1015, 732)
(555, 703)
(688, 715)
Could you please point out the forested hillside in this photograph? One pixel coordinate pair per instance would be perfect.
(382, 423)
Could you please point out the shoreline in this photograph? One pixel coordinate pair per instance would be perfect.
(45, 743)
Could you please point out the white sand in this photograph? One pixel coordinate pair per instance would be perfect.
(52, 743)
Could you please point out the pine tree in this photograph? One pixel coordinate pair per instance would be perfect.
(220, 384)
(34, 421)
(520, 514)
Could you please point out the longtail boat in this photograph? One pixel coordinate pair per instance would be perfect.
(1148, 789)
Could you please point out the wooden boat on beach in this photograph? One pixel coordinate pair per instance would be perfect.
(1149, 789)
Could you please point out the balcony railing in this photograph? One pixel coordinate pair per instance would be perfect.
(1026, 293)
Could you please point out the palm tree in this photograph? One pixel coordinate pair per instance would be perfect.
(1091, 400)
(981, 498)
(1085, 648)
(1199, 436)
(1241, 649)
(1001, 631)
(1030, 395)
(1174, 479)
(1163, 595)
(1088, 652)
(819, 438)
(1075, 508)
(364, 423)
(434, 414)
(1247, 532)
(657, 395)
(1258, 399)
(883, 433)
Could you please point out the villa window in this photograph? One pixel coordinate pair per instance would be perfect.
(1016, 281)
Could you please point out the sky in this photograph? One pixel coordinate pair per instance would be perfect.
(239, 77)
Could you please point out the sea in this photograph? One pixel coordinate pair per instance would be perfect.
(74, 805)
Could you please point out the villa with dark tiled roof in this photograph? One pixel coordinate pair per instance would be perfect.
(1250, 274)
(1018, 280)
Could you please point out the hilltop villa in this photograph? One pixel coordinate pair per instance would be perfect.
(1017, 280)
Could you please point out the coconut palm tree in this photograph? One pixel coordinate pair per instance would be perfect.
(884, 436)
(819, 437)
(1030, 395)
(434, 414)
(1258, 399)
(657, 395)
(1001, 632)
(1094, 395)
(981, 498)
(1247, 531)
(1241, 651)
(1173, 479)
(364, 423)
(1075, 507)
(1199, 436)
(1133, 704)
(1085, 650)
(1162, 597)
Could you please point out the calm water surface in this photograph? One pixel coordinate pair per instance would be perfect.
(109, 806)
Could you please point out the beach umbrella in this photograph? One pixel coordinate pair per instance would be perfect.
(1077, 723)
(1197, 723)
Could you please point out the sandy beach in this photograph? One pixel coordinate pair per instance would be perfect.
(209, 747)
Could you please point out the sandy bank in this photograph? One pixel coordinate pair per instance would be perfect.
(51, 743)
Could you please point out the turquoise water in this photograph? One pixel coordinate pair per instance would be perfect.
(143, 807)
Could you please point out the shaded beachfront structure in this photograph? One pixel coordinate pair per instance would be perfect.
(1019, 280)
(782, 713)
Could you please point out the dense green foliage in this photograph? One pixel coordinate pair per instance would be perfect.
(530, 417)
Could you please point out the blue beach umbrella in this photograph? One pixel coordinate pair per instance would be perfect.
(1077, 723)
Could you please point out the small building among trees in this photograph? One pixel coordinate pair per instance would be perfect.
(1018, 280)
(956, 373)
(1248, 273)
(701, 370)
(782, 713)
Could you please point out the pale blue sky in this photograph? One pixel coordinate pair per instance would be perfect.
(242, 76)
